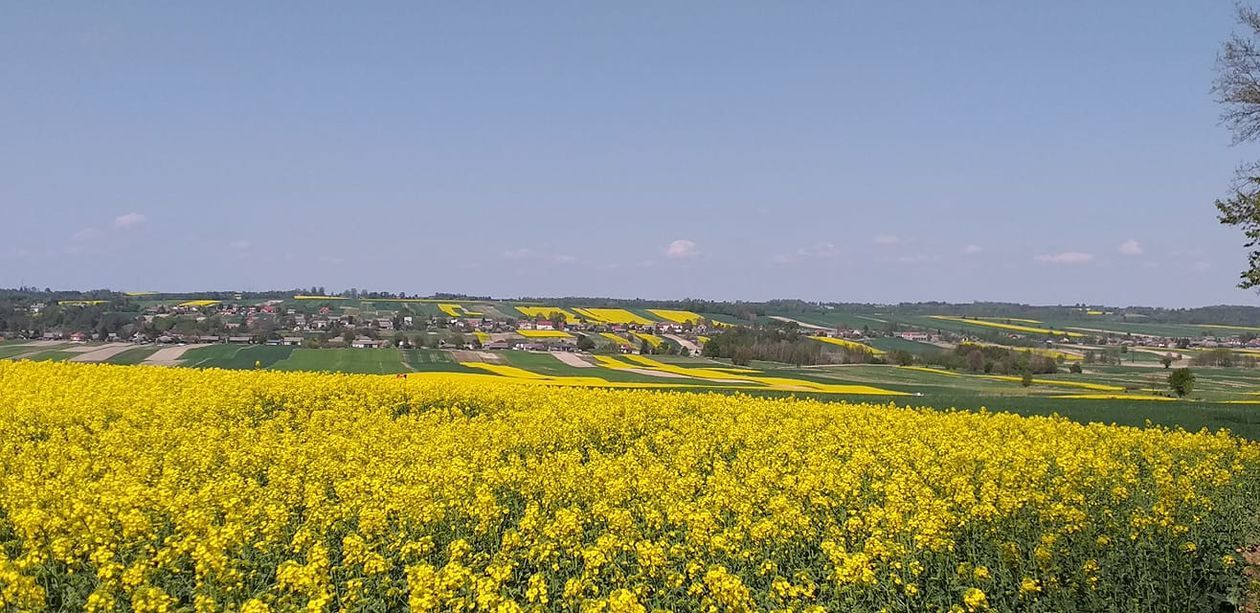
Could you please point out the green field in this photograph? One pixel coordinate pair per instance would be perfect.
(894, 343)
(430, 360)
(8, 351)
(365, 361)
(547, 364)
(240, 357)
(52, 356)
(134, 355)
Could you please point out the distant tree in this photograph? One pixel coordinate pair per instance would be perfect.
(1181, 381)
(1167, 360)
(975, 360)
(584, 343)
(1075, 368)
(1027, 379)
(644, 347)
(1237, 88)
(901, 357)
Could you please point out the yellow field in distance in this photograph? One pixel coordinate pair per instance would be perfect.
(681, 317)
(652, 339)
(848, 344)
(617, 338)
(544, 334)
(613, 316)
(1004, 326)
(198, 303)
(545, 311)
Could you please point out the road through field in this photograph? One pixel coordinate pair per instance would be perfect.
(169, 356)
(572, 360)
(102, 352)
(799, 323)
(691, 347)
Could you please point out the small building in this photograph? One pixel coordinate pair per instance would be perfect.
(79, 337)
(292, 341)
(364, 342)
(239, 339)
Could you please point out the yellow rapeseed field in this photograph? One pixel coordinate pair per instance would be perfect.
(544, 334)
(198, 303)
(651, 339)
(1005, 326)
(676, 316)
(617, 338)
(153, 489)
(613, 316)
(544, 312)
(848, 344)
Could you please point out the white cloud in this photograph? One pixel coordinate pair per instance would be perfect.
(519, 254)
(331, 259)
(1130, 247)
(563, 259)
(86, 234)
(129, 220)
(972, 249)
(918, 259)
(681, 248)
(13, 253)
(1066, 257)
(887, 239)
(815, 251)
(239, 245)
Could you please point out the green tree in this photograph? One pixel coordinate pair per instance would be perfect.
(1181, 381)
(584, 343)
(1026, 380)
(1166, 360)
(1237, 88)
(901, 357)
(975, 360)
(1075, 368)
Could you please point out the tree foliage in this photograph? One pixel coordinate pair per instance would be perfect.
(1181, 381)
(1237, 88)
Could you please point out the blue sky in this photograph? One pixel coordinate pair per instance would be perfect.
(1036, 152)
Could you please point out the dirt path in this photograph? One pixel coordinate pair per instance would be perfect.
(573, 359)
(102, 352)
(489, 357)
(169, 356)
(691, 347)
(799, 323)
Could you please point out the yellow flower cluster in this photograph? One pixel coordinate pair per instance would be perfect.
(158, 489)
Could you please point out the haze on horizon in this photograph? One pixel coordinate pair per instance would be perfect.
(1055, 153)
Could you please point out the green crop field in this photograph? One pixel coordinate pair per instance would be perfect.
(547, 364)
(52, 356)
(135, 355)
(240, 357)
(430, 360)
(366, 361)
(8, 351)
(893, 343)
